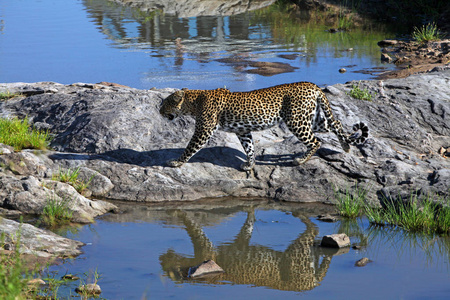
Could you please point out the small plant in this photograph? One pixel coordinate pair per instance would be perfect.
(56, 212)
(351, 203)
(87, 290)
(7, 95)
(426, 33)
(70, 176)
(67, 176)
(14, 275)
(18, 134)
(361, 94)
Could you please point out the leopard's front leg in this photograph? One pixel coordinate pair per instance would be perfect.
(202, 133)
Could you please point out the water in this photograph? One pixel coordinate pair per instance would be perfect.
(97, 40)
(268, 250)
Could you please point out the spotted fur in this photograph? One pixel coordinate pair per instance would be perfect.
(297, 104)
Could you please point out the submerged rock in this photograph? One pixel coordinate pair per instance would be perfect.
(362, 262)
(89, 289)
(340, 240)
(205, 268)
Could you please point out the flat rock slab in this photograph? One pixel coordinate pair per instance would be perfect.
(118, 133)
(39, 242)
(340, 240)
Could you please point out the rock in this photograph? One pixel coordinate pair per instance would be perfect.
(387, 43)
(89, 289)
(362, 262)
(205, 268)
(386, 58)
(35, 283)
(357, 247)
(70, 277)
(342, 70)
(39, 242)
(340, 240)
(118, 134)
(327, 218)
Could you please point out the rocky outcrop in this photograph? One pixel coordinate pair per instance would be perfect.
(37, 242)
(118, 133)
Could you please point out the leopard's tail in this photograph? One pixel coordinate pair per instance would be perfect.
(359, 135)
(360, 130)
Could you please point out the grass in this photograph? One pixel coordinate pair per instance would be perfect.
(56, 212)
(7, 95)
(18, 134)
(426, 213)
(70, 176)
(361, 94)
(427, 33)
(14, 275)
(350, 204)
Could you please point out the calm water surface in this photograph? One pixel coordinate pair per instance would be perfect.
(268, 250)
(98, 40)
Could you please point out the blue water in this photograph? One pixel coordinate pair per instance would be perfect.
(130, 253)
(96, 40)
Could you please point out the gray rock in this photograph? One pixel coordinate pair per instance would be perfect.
(340, 240)
(39, 242)
(117, 133)
(205, 268)
(362, 262)
(89, 289)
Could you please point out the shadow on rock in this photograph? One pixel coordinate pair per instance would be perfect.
(221, 156)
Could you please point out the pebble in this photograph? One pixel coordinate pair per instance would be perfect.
(342, 70)
(362, 262)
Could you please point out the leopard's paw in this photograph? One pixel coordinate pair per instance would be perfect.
(174, 163)
(247, 166)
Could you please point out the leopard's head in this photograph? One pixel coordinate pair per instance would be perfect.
(171, 107)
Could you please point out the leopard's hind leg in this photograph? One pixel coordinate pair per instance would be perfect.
(303, 131)
(246, 140)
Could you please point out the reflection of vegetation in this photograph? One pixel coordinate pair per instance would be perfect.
(426, 33)
(434, 247)
(312, 32)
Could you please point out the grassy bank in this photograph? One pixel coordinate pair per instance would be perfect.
(420, 213)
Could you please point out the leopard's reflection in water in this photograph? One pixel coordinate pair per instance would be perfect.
(301, 266)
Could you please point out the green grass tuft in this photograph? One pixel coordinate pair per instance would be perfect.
(18, 134)
(427, 33)
(427, 213)
(361, 94)
(350, 204)
(7, 95)
(56, 212)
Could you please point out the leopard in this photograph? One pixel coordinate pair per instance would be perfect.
(302, 106)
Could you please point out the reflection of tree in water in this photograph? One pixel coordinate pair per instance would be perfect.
(301, 266)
